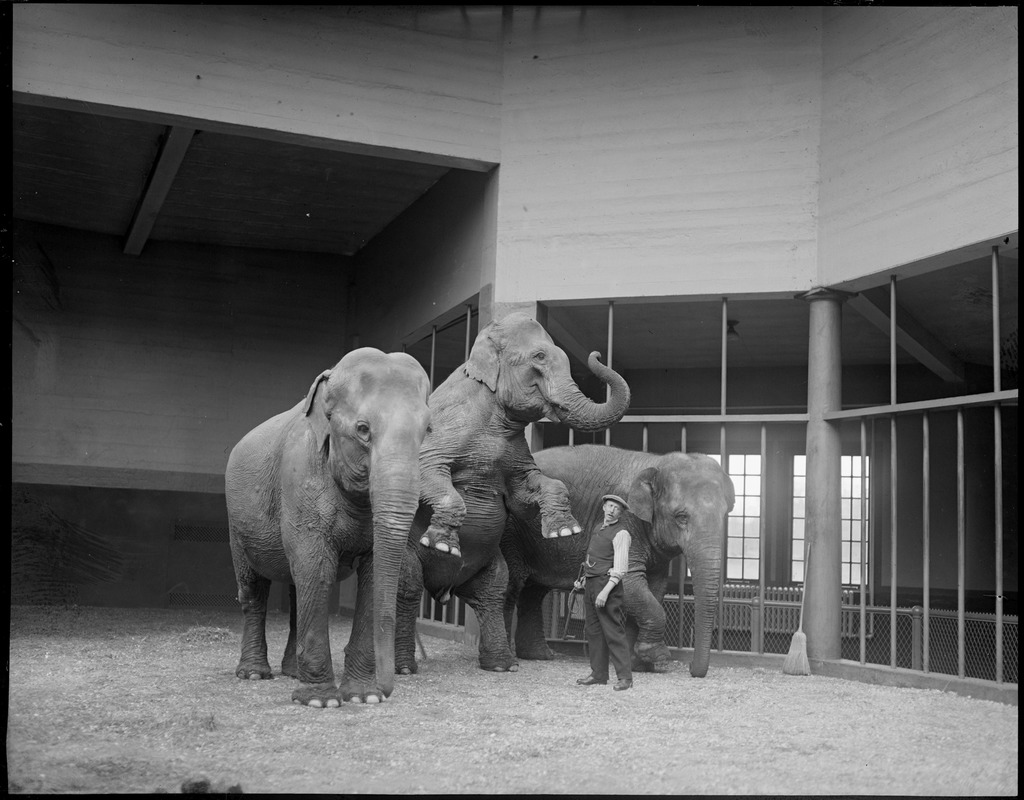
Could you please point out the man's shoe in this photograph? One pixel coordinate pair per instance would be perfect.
(590, 680)
(625, 683)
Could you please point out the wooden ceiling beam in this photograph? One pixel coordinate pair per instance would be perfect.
(172, 152)
(914, 338)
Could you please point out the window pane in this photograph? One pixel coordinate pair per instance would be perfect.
(752, 506)
(734, 568)
(738, 483)
(799, 487)
(750, 571)
(798, 529)
(752, 527)
(736, 465)
(735, 526)
(735, 548)
(798, 571)
(799, 465)
(753, 484)
(751, 548)
(798, 507)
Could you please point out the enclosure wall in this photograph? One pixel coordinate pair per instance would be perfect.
(144, 372)
(918, 134)
(435, 256)
(658, 151)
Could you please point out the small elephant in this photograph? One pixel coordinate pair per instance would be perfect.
(335, 478)
(476, 465)
(678, 503)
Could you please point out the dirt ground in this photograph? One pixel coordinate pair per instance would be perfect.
(115, 701)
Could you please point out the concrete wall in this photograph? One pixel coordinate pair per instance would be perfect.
(153, 367)
(918, 134)
(651, 151)
(388, 78)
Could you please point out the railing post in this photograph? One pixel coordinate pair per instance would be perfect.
(916, 637)
(755, 625)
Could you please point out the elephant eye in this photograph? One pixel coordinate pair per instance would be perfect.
(363, 429)
(540, 355)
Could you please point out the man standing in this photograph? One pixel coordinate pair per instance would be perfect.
(607, 562)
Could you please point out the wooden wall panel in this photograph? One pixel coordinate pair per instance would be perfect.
(919, 134)
(423, 80)
(659, 151)
(162, 362)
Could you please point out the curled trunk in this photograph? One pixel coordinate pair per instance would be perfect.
(580, 412)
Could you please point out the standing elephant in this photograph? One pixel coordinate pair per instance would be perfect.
(678, 503)
(476, 467)
(311, 489)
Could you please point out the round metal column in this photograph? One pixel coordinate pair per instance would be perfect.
(822, 573)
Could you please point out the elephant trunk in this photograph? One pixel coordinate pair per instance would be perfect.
(705, 567)
(394, 497)
(578, 411)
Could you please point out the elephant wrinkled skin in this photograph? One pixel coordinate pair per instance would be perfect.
(678, 503)
(334, 478)
(476, 465)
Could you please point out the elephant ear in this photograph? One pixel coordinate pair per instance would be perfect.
(316, 412)
(641, 494)
(483, 364)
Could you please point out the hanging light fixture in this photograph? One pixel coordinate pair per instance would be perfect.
(731, 333)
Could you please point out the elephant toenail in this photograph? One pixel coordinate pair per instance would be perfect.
(565, 532)
(332, 703)
(456, 551)
(442, 547)
(316, 703)
(425, 541)
(372, 699)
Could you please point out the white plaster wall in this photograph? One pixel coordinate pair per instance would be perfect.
(659, 151)
(919, 134)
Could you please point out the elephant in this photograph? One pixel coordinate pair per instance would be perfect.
(334, 480)
(476, 466)
(678, 503)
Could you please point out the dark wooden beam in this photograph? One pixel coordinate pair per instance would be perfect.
(914, 338)
(172, 153)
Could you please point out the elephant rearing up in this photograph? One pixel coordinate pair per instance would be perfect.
(678, 504)
(476, 467)
(335, 478)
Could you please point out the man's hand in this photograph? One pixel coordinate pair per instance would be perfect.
(601, 598)
(579, 585)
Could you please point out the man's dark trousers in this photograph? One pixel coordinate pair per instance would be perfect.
(606, 631)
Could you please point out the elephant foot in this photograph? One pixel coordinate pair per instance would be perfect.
(499, 664)
(650, 655)
(361, 691)
(555, 527)
(254, 672)
(443, 539)
(405, 666)
(321, 695)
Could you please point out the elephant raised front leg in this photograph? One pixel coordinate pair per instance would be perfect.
(447, 507)
(530, 485)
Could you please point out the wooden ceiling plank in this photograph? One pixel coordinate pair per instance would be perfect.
(914, 338)
(168, 160)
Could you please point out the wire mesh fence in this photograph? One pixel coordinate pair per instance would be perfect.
(936, 650)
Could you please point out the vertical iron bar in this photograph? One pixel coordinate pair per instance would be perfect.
(469, 329)
(725, 349)
(926, 527)
(763, 544)
(960, 543)
(725, 465)
(997, 426)
(893, 538)
(682, 439)
(611, 342)
(863, 538)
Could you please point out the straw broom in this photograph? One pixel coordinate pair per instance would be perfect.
(796, 662)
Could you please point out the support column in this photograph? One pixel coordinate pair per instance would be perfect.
(822, 572)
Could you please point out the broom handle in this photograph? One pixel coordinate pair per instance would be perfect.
(803, 592)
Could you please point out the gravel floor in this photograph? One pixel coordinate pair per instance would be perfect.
(112, 701)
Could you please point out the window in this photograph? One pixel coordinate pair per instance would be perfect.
(851, 507)
(743, 540)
